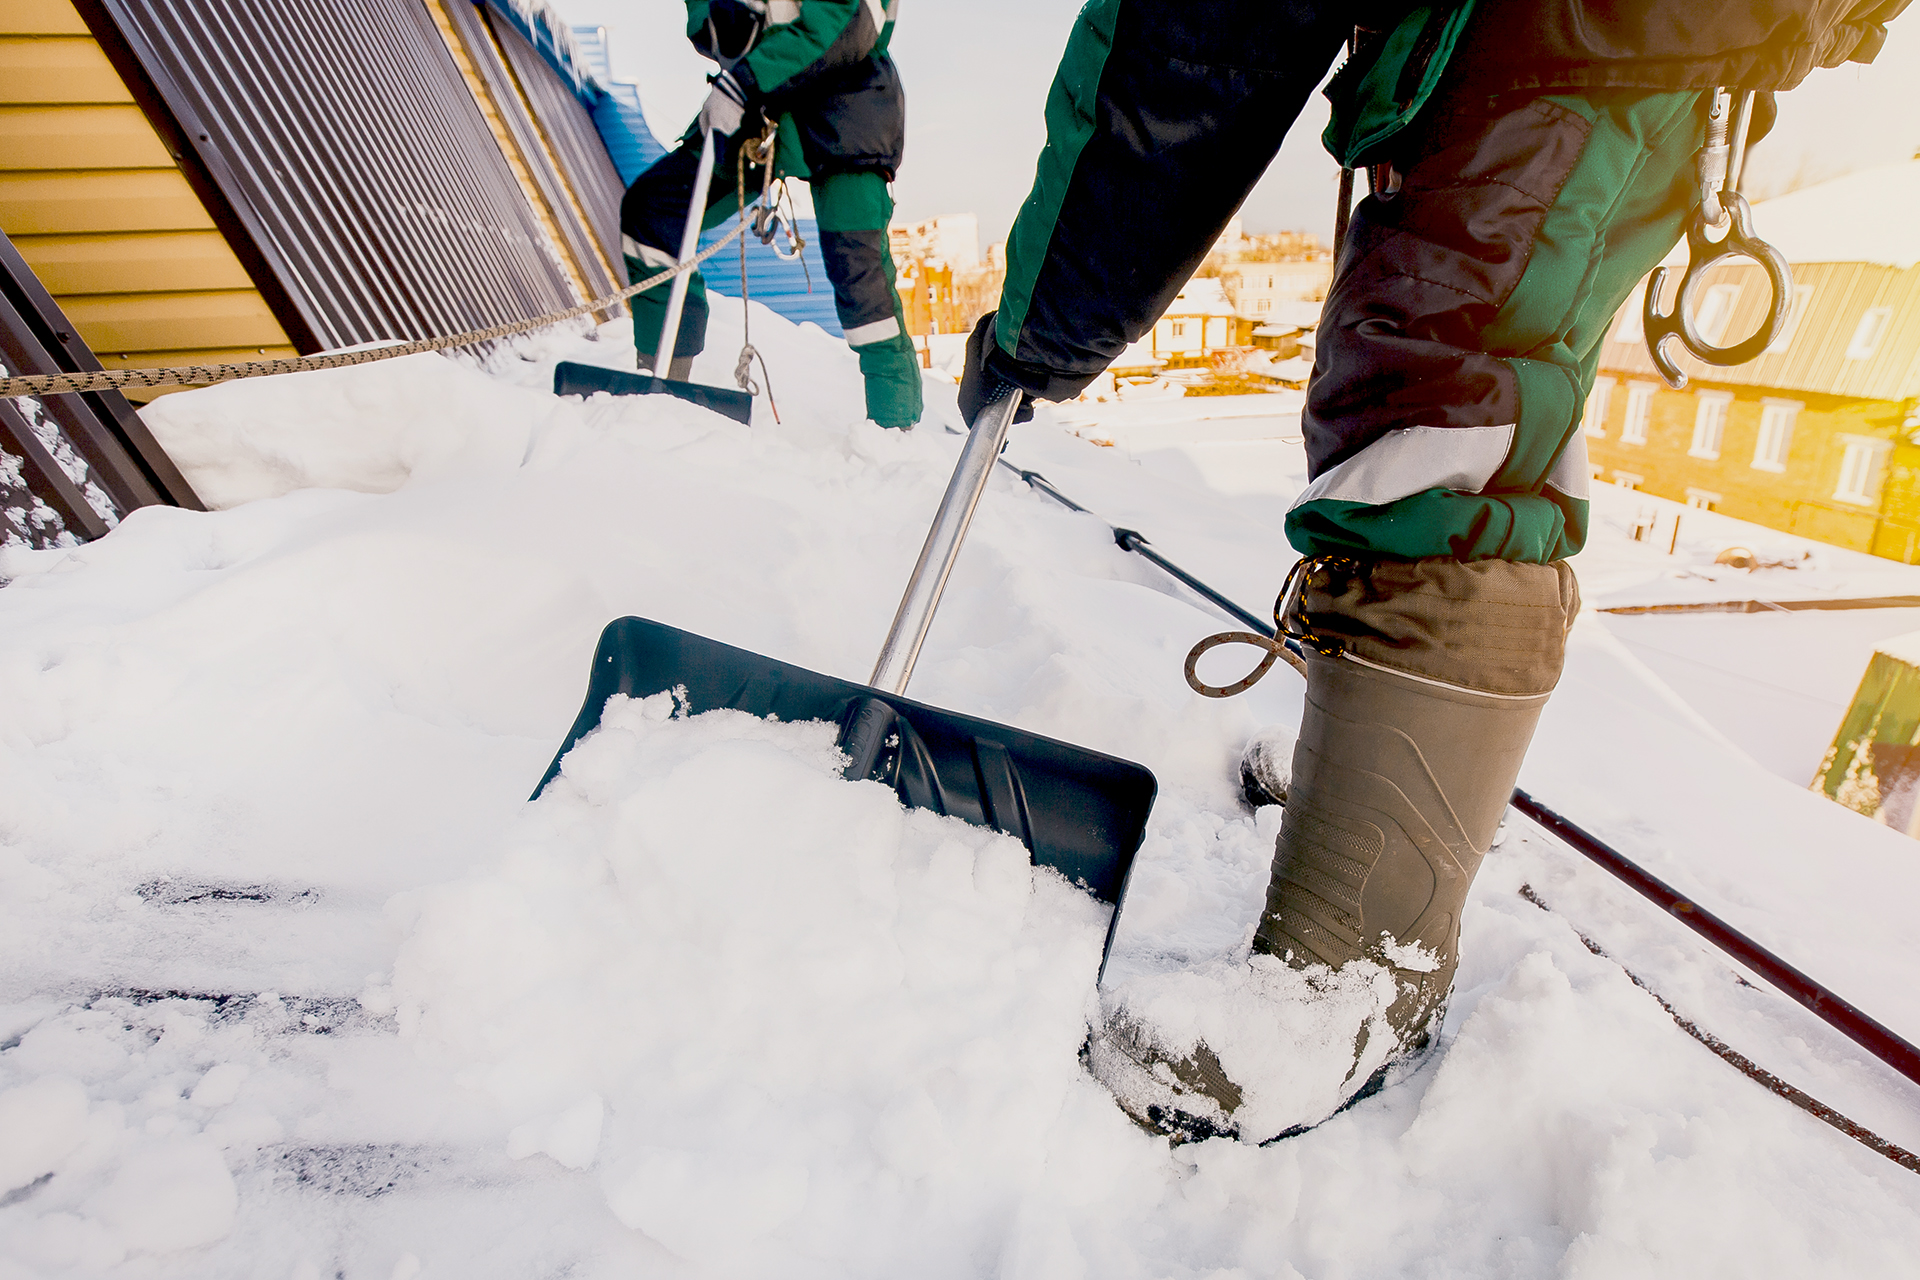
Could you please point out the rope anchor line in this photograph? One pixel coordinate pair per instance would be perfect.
(45, 384)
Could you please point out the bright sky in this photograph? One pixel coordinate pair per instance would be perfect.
(977, 73)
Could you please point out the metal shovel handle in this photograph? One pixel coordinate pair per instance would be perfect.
(689, 245)
(929, 580)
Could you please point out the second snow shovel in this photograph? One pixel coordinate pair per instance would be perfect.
(583, 380)
(1078, 811)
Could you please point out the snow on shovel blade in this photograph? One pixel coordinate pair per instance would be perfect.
(570, 379)
(1077, 811)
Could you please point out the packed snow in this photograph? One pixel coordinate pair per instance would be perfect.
(294, 981)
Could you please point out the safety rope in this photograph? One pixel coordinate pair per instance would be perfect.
(44, 384)
(1744, 1065)
(762, 150)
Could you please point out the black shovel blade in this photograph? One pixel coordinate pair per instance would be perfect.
(570, 379)
(1078, 811)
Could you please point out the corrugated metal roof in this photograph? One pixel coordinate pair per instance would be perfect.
(616, 114)
(778, 282)
(338, 141)
(478, 50)
(623, 128)
(70, 466)
(1815, 359)
(575, 142)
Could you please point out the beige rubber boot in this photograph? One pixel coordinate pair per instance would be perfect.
(1411, 741)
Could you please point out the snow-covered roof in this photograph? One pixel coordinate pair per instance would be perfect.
(1872, 215)
(1288, 315)
(1202, 296)
(1904, 648)
(1138, 355)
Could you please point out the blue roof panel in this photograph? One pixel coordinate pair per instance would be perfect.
(778, 282)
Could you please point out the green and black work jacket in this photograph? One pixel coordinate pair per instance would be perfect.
(821, 68)
(1503, 46)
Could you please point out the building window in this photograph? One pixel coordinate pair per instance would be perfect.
(1716, 310)
(1860, 469)
(1866, 338)
(1595, 421)
(1802, 299)
(1709, 425)
(1627, 480)
(1639, 412)
(1179, 328)
(1263, 304)
(1702, 499)
(1776, 434)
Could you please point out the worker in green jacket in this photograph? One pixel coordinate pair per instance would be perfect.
(1529, 162)
(818, 72)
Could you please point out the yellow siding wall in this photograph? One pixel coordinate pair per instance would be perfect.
(101, 211)
(1799, 499)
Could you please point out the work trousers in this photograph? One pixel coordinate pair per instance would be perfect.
(852, 207)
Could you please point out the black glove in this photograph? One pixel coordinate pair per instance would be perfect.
(983, 380)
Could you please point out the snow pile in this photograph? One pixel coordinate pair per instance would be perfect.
(240, 441)
(791, 1000)
(294, 982)
(1284, 1037)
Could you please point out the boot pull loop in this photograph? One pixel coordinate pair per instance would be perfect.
(1281, 644)
(1274, 649)
(1283, 608)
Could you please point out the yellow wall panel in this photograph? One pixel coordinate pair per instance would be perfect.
(99, 200)
(114, 323)
(54, 70)
(103, 214)
(42, 18)
(79, 137)
(159, 262)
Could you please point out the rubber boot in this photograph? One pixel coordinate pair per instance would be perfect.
(892, 372)
(1414, 730)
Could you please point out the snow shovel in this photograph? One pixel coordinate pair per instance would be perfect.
(1077, 811)
(583, 380)
(570, 379)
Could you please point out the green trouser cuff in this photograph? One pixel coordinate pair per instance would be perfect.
(892, 372)
(1517, 517)
(649, 311)
(852, 202)
(1620, 209)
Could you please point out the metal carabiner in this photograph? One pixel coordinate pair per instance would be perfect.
(1702, 254)
(1721, 207)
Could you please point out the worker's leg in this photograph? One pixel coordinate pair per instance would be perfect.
(653, 216)
(1454, 352)
(853, 209)
(1448, 487)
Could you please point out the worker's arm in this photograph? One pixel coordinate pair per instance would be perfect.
(797, 42)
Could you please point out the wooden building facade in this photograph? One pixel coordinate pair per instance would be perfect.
(1816, 437)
